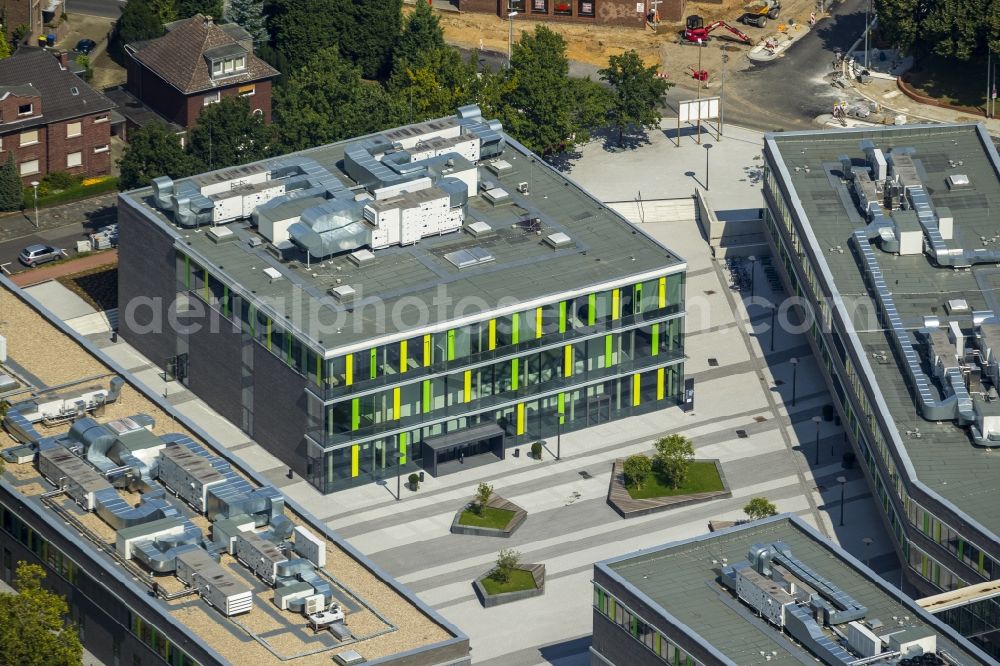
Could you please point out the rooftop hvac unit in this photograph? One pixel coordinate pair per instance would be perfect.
(345, 293)
(500, 167)
(221, 234)
(314, 603)
(255, 241)
(272, 274)
(479, 229)
(361, 257)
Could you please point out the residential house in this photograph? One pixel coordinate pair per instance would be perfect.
(50, 120)
(195, 64)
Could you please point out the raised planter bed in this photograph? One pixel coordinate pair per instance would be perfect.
(518, 516)
(628, 507)
(537, 572)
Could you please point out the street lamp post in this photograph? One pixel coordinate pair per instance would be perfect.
(795, 365)
(868, 543)
(842, 480)
(559, 425)
(34, 185)
(868, 10)
(817, 420)
(399, 457)
(707, 147)
(753, 274)
(510, 36)
(722, 96)
(774, 311)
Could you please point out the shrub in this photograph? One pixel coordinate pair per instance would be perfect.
(536, 450)
(759, 507)
(414, 481)
(636, 469)
(57, 181)
(674, 454)
(507, 561)
(483, 493)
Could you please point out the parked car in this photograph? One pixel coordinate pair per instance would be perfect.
(34, 255)
(85, 46)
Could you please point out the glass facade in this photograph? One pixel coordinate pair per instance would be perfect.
(640, 630)
(561, 365)
(906, 517)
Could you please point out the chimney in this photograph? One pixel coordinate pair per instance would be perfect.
(208, 20)
(63, 59)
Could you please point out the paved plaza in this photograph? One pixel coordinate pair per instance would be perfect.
(743, 415)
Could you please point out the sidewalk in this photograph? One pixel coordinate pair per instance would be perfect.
(34, 276)
(88, 212)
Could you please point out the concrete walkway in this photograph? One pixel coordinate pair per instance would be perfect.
(85, 211)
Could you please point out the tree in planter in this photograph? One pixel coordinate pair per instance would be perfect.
(11, 193)
(636, 469)
(483, 493)
(672, 461)
(414, 481)
(759, 507)
(507, 561)
(536, 450)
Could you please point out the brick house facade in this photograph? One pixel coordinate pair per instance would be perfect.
(50, 120)
(194, 65)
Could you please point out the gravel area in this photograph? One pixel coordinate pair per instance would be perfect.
(55, 358)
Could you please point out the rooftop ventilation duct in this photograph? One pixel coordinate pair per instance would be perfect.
(336, 226)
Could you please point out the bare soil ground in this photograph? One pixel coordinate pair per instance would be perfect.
(593, 44)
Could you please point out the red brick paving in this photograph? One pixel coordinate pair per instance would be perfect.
(33, 276)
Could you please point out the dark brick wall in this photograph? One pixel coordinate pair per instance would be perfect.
(214, 363)
(103, 603)
(54, 145)
(280, 412)
(605, 12)
(147, 274)
(185, 109)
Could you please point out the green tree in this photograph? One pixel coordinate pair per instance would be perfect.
(228, 134)
(165, 10)
(249, 15)
(899, 21)
(433, 84)
(11, 190)
(421, 33)
(277, 59)
(674, 454)
(33, 628)
(374, 28)
(540, 111)
(638, 93)
(507, 561)
(483, 493)
(300, 28)
(151, 152)
(138, 21)
(591, 104)
(187, 8)
(956, 27)
(759, 507)
(636, 468)
(4, 47)
(326, 100)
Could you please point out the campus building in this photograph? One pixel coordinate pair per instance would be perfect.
(886, 236)
(772, 592)
(168, 550)
(412, 298)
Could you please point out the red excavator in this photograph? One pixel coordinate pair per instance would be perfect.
(697, 32)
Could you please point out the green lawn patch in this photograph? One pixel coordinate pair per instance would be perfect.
(494, 518)
(958, 84)
(74, 192)
(520, 580)
(703, 477)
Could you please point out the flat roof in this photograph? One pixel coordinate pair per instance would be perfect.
(385, 619)
(416, 281)
(681, 580)
(943, 458)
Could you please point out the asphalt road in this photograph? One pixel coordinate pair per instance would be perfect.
(63, 237)
(106, 8)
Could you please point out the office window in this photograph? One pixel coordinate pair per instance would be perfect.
(30, 167)
(25, 110)
(74, 159)
(540, 6)
(211, 98)
(563, 8)
(73, 129)
(28, 138)
(586, 8)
